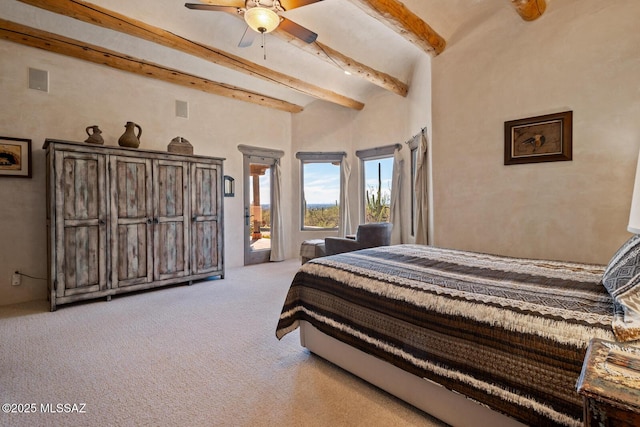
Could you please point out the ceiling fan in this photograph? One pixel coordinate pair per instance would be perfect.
(262, 16)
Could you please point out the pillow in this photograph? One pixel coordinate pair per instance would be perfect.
(622, 280)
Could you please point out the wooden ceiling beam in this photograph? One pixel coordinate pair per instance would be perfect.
(33, 37)
(346, 63)
(96, 15)
(395, 15)
(529, 10)
(342, 61)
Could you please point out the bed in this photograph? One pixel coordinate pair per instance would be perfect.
(470, 338)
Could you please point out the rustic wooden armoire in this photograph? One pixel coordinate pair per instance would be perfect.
(122, 219)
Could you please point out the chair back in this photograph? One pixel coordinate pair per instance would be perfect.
(374, 234)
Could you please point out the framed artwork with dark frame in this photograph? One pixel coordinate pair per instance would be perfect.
(538, 139)
(15, 157)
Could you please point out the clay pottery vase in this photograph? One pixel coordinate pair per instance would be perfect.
(95, 136)
(129, 137)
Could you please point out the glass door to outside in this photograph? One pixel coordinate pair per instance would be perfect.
(257, 210)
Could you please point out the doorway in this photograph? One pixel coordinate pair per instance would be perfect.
(261, 196)
(258, 190)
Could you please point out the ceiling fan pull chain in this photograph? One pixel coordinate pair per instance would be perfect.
(264, 47)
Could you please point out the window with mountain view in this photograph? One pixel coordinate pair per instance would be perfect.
(320, 178)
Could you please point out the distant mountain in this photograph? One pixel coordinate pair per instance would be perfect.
(320, 205)
(310, 205)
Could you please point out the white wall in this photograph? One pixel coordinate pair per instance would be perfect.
(581, 55)
(83, 94)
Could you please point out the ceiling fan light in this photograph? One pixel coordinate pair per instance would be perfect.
(261, 19)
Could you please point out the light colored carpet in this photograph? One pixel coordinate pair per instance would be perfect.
(200, 355)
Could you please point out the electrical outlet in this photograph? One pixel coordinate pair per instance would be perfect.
(15, 279)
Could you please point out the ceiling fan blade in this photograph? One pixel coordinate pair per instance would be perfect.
(292, 4)
(247, 38)
(232, 3)
(297, 30)
(199, 6)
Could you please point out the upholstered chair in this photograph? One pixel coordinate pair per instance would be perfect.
(367, 236)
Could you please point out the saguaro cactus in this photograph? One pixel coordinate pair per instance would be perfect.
(376, 205)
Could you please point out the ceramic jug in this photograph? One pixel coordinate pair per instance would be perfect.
(94, 135)
(129, 137)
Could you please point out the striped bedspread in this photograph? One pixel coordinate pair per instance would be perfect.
(509, 333)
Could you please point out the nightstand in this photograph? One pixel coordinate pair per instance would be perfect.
(610, 384)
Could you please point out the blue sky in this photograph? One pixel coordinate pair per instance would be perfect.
(321, 183)
(265, 189)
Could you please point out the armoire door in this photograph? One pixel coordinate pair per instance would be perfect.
(206, 218)
(81, 230)
(131, 221)
(171, 219)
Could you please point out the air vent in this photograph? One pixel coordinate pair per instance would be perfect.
(182, 109)
(39, 79)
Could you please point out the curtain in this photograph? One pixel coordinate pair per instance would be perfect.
(345, 214)
(277, 236)
(395, 215)
(422, 191)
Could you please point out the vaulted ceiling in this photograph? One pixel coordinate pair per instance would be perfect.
(376, 41)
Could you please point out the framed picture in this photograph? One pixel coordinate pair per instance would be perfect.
(15, 157)
(538, 139)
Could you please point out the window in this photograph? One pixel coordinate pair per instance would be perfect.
(321, 186)
(377, 173)
(377, 189)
